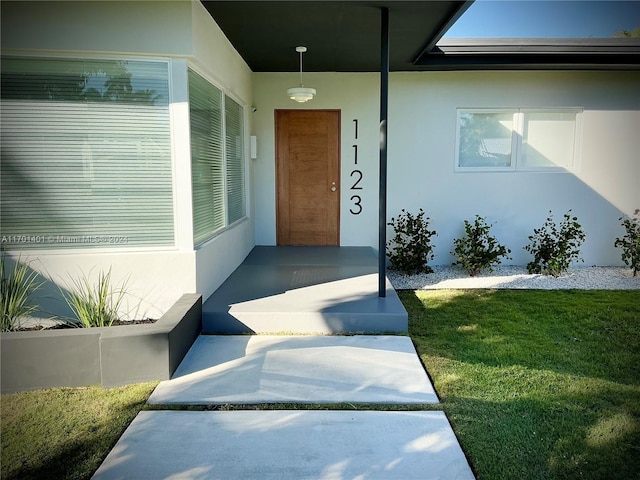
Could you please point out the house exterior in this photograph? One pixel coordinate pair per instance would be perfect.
(127, 145)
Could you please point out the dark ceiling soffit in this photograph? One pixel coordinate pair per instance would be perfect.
(342, 35)
(522, 54)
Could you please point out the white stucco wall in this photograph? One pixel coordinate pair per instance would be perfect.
(214, 56)
(422, 129)
(98, 26)
(183, 32)
(213, 52)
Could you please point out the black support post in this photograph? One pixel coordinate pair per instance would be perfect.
(384, 110)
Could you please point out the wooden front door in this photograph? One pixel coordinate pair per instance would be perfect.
(308, 177)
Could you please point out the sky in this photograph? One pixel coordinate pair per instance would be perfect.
(544, 18)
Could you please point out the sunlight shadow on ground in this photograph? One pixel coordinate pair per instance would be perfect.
(307, 369)
(288, 444)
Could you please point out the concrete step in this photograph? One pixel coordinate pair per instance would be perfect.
(350, 305)
(324, 290)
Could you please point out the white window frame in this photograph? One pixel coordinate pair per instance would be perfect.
(225, 93)
(463, 111)
(96, 56)
(243, 138)
(517, 140)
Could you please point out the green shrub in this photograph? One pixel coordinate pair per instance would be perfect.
(410, 249)
(95, 305)
(478, 250)
(555, 246)
(630, 243)
(17, 288)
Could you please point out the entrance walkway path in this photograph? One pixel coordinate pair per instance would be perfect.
(257, 369)
(355, 372)
(287, 444)
(293, 407)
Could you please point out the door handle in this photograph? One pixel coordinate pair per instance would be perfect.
(333, 186)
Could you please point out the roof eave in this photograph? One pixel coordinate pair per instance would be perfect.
(523, 54)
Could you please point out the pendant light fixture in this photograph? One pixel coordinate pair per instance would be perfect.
(301, 94)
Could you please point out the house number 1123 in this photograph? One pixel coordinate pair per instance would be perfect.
(356, 177)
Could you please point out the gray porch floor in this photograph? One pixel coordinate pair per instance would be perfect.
(321, 290)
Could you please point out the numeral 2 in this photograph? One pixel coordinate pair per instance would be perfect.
(355, 185)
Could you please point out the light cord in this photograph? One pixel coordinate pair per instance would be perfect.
(301, 69)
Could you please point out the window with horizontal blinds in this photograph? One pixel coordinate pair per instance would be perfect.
(207, 165)
(86, 153)
(234, 153)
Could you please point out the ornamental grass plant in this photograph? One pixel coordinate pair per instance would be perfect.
(17, 289)
(97, 304)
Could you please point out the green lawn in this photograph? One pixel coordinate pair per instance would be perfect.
(537, 384)
(65, 433)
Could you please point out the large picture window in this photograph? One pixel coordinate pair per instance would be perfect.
(86, 153)
(217, 158)
(522, 139)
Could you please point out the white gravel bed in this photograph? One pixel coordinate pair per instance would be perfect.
(515, 277)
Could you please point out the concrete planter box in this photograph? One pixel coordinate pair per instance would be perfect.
(110, 356)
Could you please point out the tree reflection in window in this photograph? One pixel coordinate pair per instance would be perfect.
(86, 150)
(116, 81)
(485, 139)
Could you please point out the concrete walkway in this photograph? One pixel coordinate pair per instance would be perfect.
(298, 369)
(292, 444)
(301, 290)
(287, 444)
